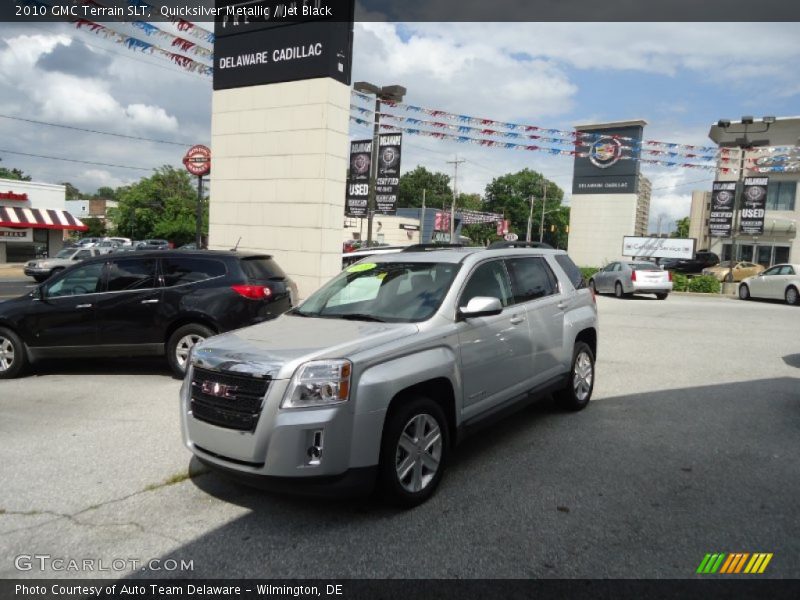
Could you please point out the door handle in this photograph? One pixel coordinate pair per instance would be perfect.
(84, 306)
(562, 305)
(149, 302)
(516, 320)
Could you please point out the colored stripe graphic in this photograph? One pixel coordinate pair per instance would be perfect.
(734, 563)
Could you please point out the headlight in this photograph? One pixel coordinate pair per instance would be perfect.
(319, 383)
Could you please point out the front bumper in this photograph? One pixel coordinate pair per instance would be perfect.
(31, 271)
(281, 446)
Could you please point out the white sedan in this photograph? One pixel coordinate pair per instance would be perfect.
(781, 282)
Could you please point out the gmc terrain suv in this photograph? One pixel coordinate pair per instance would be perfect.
(144, 303)
(378, 373)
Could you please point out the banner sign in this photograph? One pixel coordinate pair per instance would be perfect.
(720, 219)
(754, 203)
(357, 199)
(387, 185)
(650, 247)
(250, 49)
(11, 234)
(611, 165)
(502, 226)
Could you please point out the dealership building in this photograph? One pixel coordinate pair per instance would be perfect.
(779, 241)
(33, 219)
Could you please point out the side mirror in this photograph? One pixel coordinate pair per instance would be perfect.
(38, 293)
(481, 306)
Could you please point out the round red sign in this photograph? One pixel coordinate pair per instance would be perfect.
(198, 160)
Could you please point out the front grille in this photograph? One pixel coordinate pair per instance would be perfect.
(230, 400)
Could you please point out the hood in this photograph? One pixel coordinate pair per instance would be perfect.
(288, 341)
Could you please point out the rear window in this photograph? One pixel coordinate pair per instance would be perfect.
(644, 266)
(572, 271)
(261, 267)
(180, 271)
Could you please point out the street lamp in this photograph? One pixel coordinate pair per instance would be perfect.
(744, 144)
(391, 93)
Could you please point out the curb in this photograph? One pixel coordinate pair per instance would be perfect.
(706, 295)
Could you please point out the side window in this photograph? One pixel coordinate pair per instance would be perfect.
(787, 270)
(83, 254)
(131, 274)
(82, 280)
(772, 271)
(489, 279)
(180, 271)
(573, 272)
(531, 278)
(617, 266)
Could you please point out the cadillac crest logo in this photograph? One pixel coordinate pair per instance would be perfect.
(724, 198)
(605, 153)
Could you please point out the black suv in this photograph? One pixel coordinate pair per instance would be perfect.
(149, 303)
(702, 260)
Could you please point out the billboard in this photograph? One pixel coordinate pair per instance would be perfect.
(273, 46)
(357, 199)
(754, 204)
(607, 160)
(387, 184)
(720, 219)
(650, 247)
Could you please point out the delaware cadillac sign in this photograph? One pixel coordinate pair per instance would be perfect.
(720, 219)
(754, 200)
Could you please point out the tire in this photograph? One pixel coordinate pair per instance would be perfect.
(592, 287)
(13, 358)
(399, 444)
(744, 292)
(618, 291)
(662, 296)
(576, 394)
(180, 342)
(791, 296)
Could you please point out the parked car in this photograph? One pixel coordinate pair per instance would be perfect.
(46, 267)
(781, 282)
(107, 246)
(122, 241)
(348, 258)
(702, 260)
(624, 278)
(741, 270)
(379, 372)
(141, 304)
(153, 245)
(89, 242)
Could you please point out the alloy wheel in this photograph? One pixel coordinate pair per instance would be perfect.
(419, 452)
(791, 296)
(582, 377)
(184, 346)
(6, 354)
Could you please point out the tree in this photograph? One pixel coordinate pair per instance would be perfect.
(97, 227)
(511, 195)
(105, 193)
(73, 193)
(436, 185)
(15, 174)
(162, 206)
(682, 228)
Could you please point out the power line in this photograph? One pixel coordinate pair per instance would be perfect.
(121, 135)
(73, 160)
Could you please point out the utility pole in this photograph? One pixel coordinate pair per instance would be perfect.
(530, 220)
(455, 164)
(373, 169)
(422, 219)
(544, 202)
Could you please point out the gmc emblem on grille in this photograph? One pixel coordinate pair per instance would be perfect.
(220, 390)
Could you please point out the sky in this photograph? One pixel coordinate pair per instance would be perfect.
(679, 77)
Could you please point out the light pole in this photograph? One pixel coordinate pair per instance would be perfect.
(744, 144)
(392, 93)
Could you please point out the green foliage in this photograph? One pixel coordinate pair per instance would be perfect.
(97, 228)
(72, 192)
(15, 174)
(161, 206)
(704, 284)
(438, 193)
(511, 194)
(105, 193)
(682, 230)
(587, 272)
(680, 282)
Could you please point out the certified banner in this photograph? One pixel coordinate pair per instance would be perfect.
(358, 182)
(720, 219)
(388, 183)
(754, 203)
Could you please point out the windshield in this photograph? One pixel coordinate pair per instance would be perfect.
(390, 292)
(65, 253)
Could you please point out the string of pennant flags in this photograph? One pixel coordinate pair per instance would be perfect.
(196, 31)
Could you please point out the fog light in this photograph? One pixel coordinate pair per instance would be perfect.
(314, 450)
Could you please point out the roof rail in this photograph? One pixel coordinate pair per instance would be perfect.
(426, 247)
(502, 244)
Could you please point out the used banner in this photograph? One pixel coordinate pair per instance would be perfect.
(358, 182)
(720, 219)
(388, 182)
(754, 203)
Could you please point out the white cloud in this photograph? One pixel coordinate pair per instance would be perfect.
(151, 117)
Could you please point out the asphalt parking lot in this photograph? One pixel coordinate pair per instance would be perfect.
(690, 446)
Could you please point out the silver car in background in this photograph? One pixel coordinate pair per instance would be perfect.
(379, 372)
(779, 282)
(624, 278)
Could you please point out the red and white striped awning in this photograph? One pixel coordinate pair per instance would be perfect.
(39, 218)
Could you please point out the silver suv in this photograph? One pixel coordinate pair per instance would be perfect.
(381, 371)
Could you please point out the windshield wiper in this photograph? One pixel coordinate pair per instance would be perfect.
(356, 317)
(296, 313)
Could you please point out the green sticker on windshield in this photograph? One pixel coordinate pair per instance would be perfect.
(361, 267)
